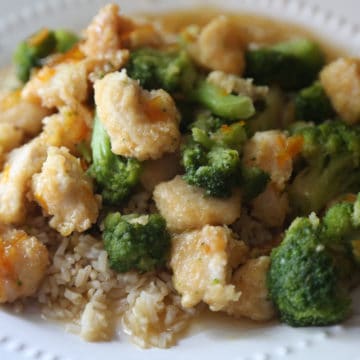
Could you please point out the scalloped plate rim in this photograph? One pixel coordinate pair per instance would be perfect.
(313, 343)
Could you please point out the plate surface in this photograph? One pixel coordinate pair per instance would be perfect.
(27, 336)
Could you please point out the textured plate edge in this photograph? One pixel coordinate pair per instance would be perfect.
(290, 8)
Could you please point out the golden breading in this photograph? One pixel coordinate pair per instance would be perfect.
(271, 206)
(234, 84)
(103, 36)
(273, 152)
(341, 81)
(141, 124)
(23, 263)
(21, 165)
(250, 281)
(63, 190)
(62, 84)
(201, 265)
(186, 207)
(220, 46)
(68, 127)
(23, 114)
(109, 32)
(10, 138)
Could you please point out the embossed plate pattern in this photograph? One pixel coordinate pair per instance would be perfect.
(29, 337)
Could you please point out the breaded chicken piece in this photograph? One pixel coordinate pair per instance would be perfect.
(10, 138)
(68, 127)
(21, 165)
(141, 124)
(157, 171)
(220, 46)
(23, 263)
(250, 282)
(103, 37)
(23, 114)
(63, 190)
(341, 81)
(234, 84)
(109, 32)
(64, 80)
(64, 83)
(186, 207)
(201, 265)
(271, 206)
(273, 152)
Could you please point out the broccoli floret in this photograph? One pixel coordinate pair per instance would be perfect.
(220, 103)
(115, 175)
(65, 40)
(212, 159)
(329, 167)
(29, 53)
(312, 269)
(312, 104)
(169, 70)
(292, 64)
(205, 121)
(136, 242)
(253, 182)
(173, 71)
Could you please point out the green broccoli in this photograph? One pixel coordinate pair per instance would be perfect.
(329, 165)
(313, 269)
(292, 64)
(136, 242)
(29, 53)
(171, 70)
(212, 158)
(65, 40)
(115, 175)
(206, 121)
(253, 182)
(220, 103)
(312, 104)
(210, 163)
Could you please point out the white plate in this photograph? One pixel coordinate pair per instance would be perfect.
(30, 337)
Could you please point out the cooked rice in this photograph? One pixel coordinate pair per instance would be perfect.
(81, 290)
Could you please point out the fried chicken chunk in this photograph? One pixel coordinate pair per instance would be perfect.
(220, 46)
(186, 207)
(250, 282)
(23, 263)
(341, 81)
(63, 190)
(141, 124)
(202, 261)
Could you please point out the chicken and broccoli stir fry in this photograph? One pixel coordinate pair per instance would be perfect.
(220, 131)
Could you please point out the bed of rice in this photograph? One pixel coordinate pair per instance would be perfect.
(81, 291)
(93, 301)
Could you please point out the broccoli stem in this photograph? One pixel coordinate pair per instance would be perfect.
(65, 40)
(221, 104)
(115, 175)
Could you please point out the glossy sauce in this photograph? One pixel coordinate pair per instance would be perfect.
(256, 29)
